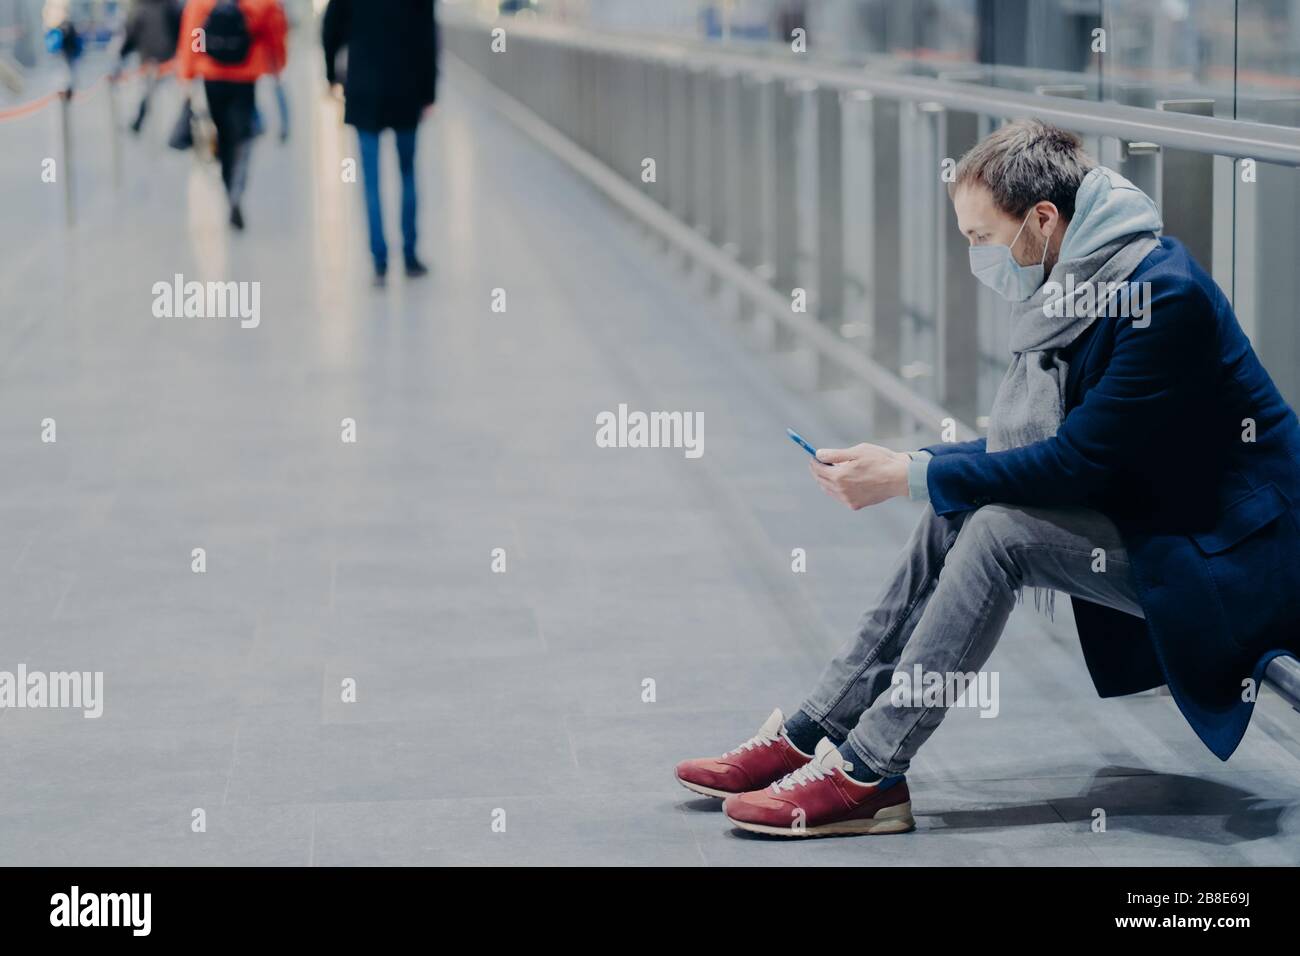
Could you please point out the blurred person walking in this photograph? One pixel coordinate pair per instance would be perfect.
(229, 44)
(390, 82)
(279, 91)
(152, 28)
(281, 94)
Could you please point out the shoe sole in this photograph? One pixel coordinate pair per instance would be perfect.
(895, 819)
(706, 791)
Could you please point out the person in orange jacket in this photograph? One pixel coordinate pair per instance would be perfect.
(229, 44)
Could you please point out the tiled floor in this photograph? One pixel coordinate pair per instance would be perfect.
(477, 694)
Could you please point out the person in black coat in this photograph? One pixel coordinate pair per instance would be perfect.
(389, 82)
(152, 27)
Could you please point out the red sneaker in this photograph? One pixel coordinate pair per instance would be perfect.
(763, 758)
(819, 799)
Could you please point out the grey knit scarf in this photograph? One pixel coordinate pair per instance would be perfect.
(1030, 402)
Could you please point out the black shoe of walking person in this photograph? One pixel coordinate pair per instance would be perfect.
(237, 218)
(415, 268)
(380, 278)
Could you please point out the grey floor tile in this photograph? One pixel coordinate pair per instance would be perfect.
(625, 829)
(156, 834)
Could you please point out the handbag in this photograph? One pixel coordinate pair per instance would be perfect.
(182, 135)
(194, 130)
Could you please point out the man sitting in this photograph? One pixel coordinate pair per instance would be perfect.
(1156, 442)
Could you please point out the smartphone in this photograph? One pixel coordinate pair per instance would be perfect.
(798, 440)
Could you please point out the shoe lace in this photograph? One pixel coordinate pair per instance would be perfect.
(759, 739)
(813, 770)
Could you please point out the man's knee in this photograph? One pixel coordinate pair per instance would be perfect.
(995, 517)
(993, 531)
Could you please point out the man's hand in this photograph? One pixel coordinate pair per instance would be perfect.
(862, 475)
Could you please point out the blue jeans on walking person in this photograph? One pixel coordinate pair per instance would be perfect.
(369, 140)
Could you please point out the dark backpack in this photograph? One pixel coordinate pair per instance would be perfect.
(226, 33)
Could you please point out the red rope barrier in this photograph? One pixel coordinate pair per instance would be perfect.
(31, 106)
(22, 109)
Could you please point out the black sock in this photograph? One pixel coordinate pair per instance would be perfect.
(804, 732)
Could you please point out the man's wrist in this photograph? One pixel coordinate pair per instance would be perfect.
(917, 484)
(900, 484)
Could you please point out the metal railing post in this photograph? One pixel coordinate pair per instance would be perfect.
(1275, 196)
(958, 333)
(1140, 165)
(873, 304)
(886, 260)
(1185, 178)
(718, 173)
(748, 176)
(785, 215)
(763, 160)
(734, 161)
(701, 160)
(680, 172)
(830, 218)
(830, 221)
(69, 176)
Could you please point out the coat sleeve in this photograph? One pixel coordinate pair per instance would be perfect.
(334, 34)
(1157, 379)
(973, 447)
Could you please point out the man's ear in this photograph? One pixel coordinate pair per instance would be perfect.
(1048, 216)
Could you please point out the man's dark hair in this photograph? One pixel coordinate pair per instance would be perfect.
(1026, 162)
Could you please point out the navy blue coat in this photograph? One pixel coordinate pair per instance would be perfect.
(392, 60)
(1154, 436)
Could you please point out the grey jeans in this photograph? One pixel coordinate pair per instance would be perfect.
(944, 607)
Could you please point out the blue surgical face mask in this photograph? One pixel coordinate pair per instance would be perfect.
(997, 268)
